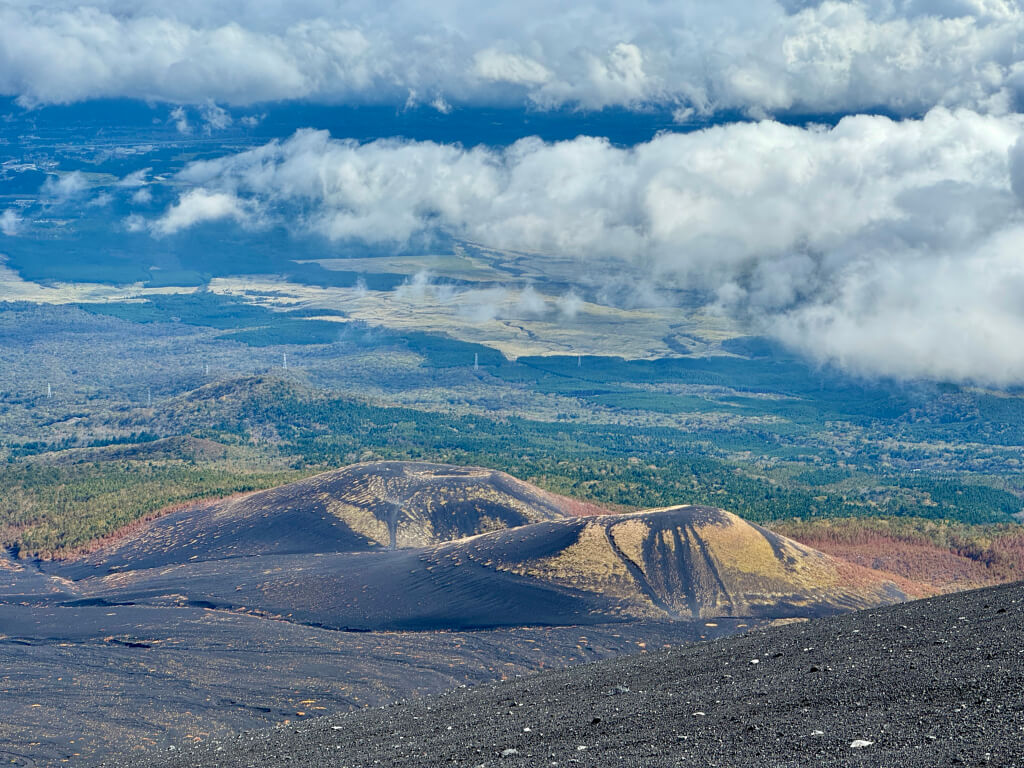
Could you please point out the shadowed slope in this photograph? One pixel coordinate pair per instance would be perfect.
(377, 505)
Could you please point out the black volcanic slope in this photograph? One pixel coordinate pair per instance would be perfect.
(936, 682)
(680, 563)
(80, 683)
(229, 615)
(359, 508)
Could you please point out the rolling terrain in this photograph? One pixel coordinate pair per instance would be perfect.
(682, 563)
(928, 683)
(360, 508)
(359, 360)
(239, 613)
(416, 546)
(78, 683)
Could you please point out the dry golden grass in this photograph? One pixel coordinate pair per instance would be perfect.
(14, 288)
(595, 330)
(630, 537)
(360, 519)
(590, 564)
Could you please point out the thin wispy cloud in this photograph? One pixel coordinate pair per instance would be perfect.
(66, 186)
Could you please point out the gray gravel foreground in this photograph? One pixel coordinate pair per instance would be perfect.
(935, 683)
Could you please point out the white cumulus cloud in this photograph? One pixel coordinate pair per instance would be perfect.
(196, 207)
(214, 118)
(952, 316)
(760, 56)
(135, 179)
(65, 186)
(10, 222)
(491, 64)
(179, 117)
(859, 244)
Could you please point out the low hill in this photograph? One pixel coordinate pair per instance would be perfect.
(927, 683)
(359, 508)
(695, 562)
(181, 447)
(679, 563)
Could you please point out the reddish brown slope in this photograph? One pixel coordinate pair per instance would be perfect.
(947, 557)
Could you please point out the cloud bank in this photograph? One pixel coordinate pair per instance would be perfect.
(694, 56)
(888, 247)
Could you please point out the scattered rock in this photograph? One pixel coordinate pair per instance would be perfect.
(511, 752)
(860, 743)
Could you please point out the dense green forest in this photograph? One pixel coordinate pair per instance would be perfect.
(50, 506)
(754, 430)
(50, 509)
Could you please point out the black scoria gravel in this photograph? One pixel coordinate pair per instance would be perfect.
(934, 683)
